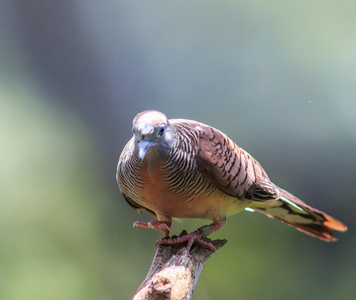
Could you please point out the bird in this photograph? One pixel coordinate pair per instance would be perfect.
(178, 168)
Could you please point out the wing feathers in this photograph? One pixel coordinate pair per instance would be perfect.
(231, 168)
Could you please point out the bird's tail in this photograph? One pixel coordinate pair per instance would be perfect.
(294, 212)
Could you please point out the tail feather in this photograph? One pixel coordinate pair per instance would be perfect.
(294, 212)
(316, 230)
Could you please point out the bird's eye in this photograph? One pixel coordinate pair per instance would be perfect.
(161, 130)
(133, 131)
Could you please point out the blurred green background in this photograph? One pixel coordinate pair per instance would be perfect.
(279, 77)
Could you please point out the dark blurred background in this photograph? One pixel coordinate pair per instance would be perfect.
(279, 77)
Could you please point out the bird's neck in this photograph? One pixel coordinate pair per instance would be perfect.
(154, 157)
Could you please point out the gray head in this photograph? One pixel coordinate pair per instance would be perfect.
(152, 134)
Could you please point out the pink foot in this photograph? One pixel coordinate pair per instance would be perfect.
(155, 224)
(195, 236)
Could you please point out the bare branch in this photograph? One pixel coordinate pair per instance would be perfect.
(174, 271)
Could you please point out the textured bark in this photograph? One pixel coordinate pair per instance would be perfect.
(174, 271)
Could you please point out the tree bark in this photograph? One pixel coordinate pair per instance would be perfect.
(174, 271)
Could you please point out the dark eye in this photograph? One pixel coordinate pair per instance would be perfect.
(161, 130)
(133, 131)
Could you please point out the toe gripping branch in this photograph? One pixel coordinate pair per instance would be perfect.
(195, 236)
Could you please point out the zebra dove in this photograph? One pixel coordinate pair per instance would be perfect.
(185, 169)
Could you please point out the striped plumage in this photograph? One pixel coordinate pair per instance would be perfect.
(185, 169)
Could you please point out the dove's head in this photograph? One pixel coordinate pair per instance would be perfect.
(152, 134)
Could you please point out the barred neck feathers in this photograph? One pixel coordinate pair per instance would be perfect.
(181, 169)
(185, 136)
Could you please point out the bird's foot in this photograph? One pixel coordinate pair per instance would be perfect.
(195, 236)
(155, 224)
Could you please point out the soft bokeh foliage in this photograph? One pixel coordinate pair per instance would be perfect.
(279, 77)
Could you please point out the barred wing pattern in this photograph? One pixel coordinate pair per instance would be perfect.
(231, 168)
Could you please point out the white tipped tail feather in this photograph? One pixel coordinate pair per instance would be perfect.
(294, 212)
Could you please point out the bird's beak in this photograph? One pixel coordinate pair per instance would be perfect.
(143, 147)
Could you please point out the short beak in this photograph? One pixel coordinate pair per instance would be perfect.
(143, 147)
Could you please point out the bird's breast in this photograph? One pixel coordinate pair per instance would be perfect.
(204, 201)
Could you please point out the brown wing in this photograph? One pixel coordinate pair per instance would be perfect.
(231, 168)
